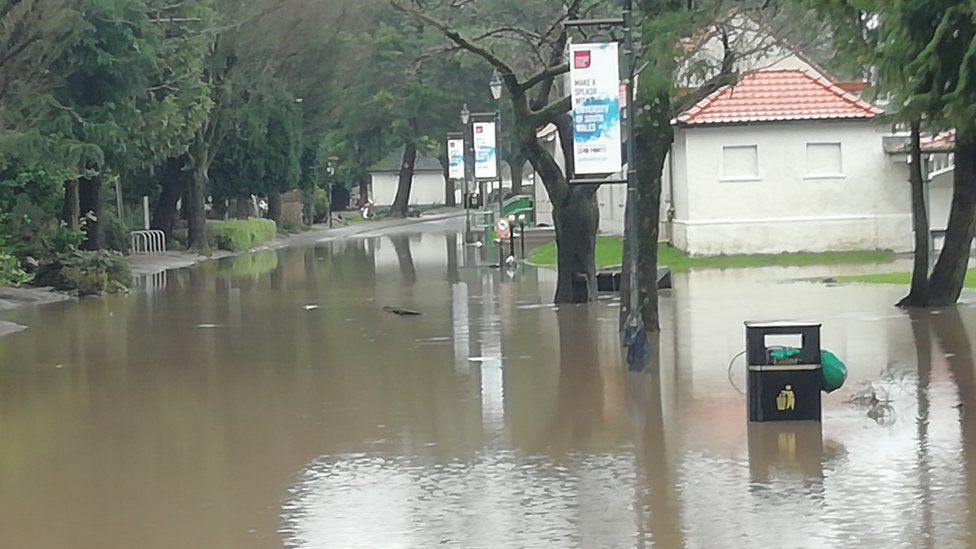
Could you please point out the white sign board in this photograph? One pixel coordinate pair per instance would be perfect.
(595, 75)
(455, 158)
(485, 165)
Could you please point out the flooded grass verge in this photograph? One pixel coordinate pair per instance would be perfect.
(609, 252)
(903, 279)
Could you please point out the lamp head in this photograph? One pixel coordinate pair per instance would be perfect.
(496, 85)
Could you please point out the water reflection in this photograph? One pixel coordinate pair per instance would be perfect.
(277, 404)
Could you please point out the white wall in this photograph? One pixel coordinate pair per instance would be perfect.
(428, 188)
(782, 210)
(940, 200)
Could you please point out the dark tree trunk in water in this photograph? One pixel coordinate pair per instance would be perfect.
(90, 200)
(401, 204)
(576, 219)
(195, 210)
(71, 212)
(174, 185)
(574, 212)
(274, 207)
(919, 293)
(949, 274)
(654, 136)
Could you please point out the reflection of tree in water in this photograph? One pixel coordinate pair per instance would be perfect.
(952, 336)
(660, 522)
(401, 244)
(452, 258)
(353, 263)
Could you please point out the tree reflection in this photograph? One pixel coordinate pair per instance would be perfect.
(953, 337)
(401, 244)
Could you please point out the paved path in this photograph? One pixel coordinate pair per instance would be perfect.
(143, 265)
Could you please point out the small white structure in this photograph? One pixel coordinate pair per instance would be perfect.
(784, 161)
(428, 181)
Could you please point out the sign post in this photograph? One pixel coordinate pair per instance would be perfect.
(597, 145)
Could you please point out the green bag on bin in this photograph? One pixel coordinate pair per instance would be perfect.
(833, 371)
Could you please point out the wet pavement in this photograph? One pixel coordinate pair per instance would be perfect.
(268, 400)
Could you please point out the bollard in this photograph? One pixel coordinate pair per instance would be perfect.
(784, 384)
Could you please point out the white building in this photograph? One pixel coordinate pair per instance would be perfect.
(784, 161)
(428, 181)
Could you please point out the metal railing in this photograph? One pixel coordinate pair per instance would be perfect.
(147, 242)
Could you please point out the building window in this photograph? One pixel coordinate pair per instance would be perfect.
(740, 163)
(824, 160)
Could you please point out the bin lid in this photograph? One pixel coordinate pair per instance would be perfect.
(783, 324)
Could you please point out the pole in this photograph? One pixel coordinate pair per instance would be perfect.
(522, 237)
(145, 212)
(635, 338)
(498, 155)
(468, 178)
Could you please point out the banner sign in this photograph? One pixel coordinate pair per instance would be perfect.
(455, 158)
(485, 166)
(595, 76)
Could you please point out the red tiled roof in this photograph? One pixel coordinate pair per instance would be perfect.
(775, 96)
(941, 142)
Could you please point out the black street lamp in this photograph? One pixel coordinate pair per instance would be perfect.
(468, 169)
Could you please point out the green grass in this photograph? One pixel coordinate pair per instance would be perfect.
(902, 279)
(609, 252)
(238, 235)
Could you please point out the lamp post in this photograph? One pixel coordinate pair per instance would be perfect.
(495, 85)
(330, 168)
(468, 169)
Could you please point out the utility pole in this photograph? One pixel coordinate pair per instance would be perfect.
(632, 329)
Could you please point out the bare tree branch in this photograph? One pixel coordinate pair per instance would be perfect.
(547, 73)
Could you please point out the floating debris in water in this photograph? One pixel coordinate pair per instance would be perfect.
(878, 402)
(400, 311)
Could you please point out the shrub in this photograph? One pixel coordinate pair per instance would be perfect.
(10, 271)
(118, 229)
(238, 235)
(88, 273)
(322, 205)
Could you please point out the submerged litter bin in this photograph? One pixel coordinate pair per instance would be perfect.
(784, 382)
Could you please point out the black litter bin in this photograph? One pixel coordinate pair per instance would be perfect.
(783, 383)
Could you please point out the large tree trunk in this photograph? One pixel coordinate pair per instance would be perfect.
(654, 136)
(516, 165)
(919, 293)
(574, 210)
(949, 274)
(576, 218)
(364, 191)
(90, 200)
(71, 211)
(401, 204)
(195, 210)
(449, 192)
(274, 207)
(174, 185)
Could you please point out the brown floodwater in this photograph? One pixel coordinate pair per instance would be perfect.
(268, 401)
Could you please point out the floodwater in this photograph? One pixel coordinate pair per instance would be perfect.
(268, 401)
